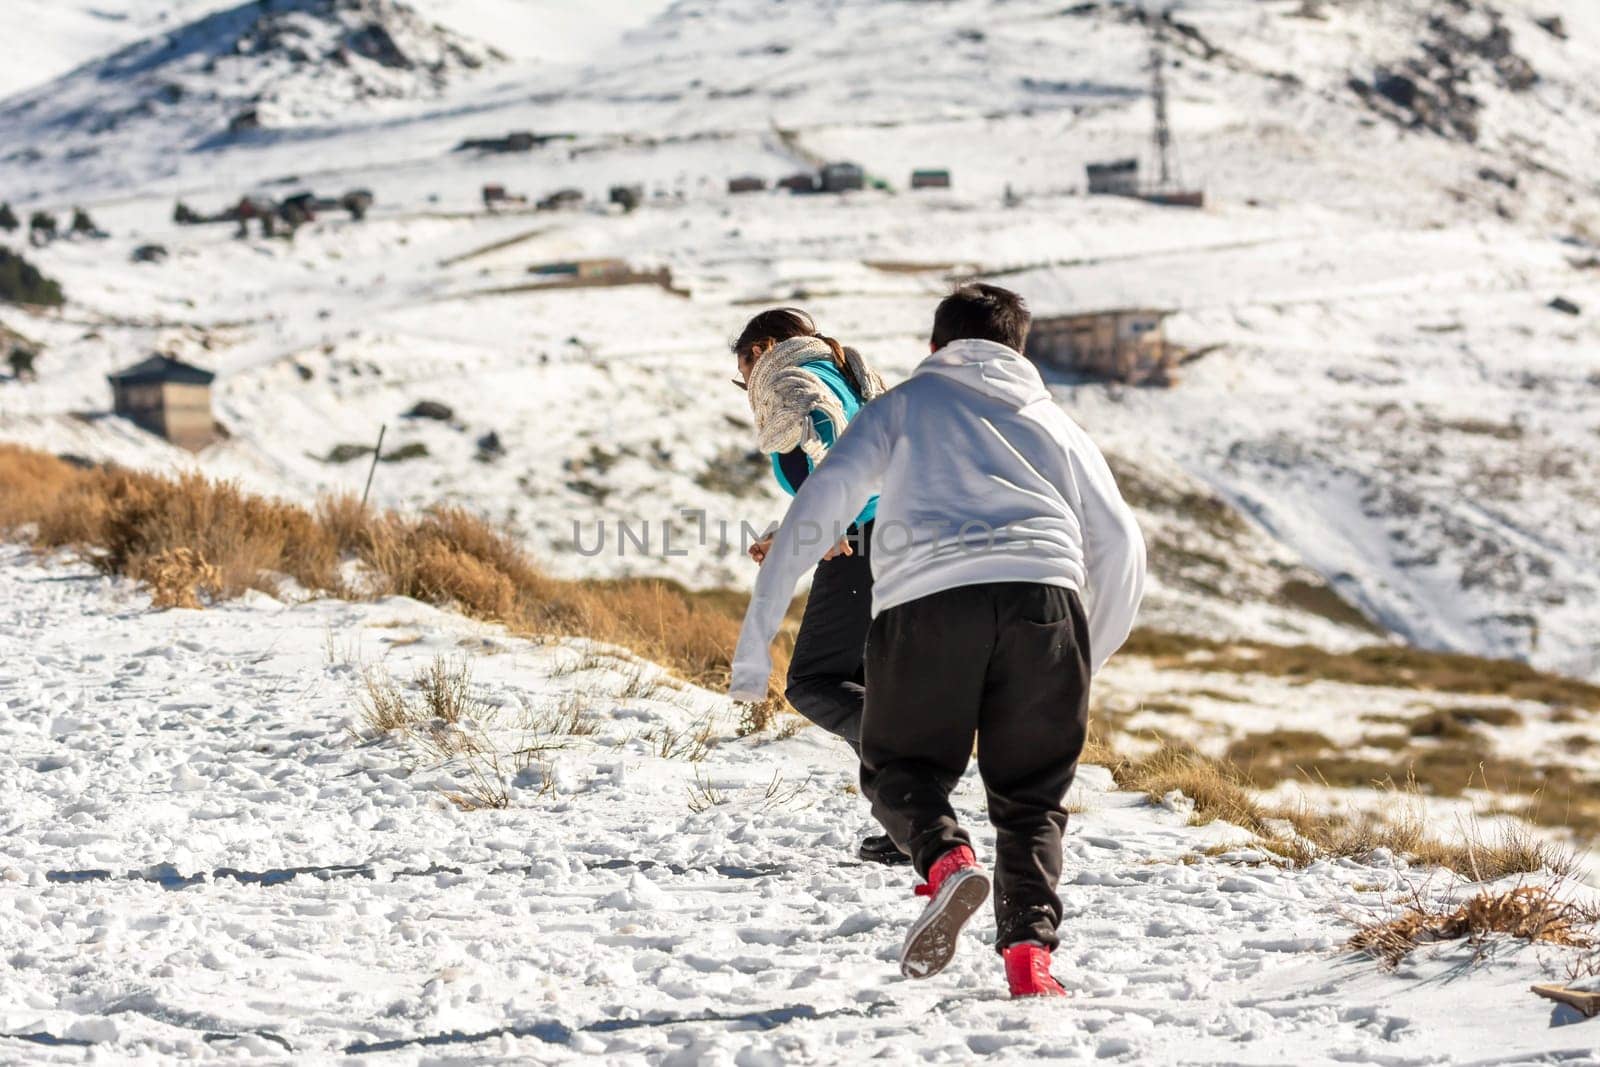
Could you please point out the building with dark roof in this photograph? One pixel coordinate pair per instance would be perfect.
(1119, 177)
(1116, 344)
(843, 178)
(166, 397)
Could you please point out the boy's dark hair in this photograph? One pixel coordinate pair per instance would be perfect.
(982, 313)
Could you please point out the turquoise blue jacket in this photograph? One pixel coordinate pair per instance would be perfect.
(791, 468)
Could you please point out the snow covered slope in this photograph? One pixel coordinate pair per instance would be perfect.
(47, 38)
(205, 859)
(275, 64)
(1398, 193)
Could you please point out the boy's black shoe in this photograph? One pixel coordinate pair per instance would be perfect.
(880, 848)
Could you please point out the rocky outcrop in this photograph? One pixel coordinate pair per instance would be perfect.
(263, 65)
(1432, 89)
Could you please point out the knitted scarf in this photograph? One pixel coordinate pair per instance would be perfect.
(783, 396)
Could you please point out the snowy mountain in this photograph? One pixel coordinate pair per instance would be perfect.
(276, 64)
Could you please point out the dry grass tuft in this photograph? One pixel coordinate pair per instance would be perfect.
(435, 712)
(443, 722)
(693, 743)
(346, 519)
(1377, 665)
(758, 717)
(1222, 791)
(1532, 913)
(1218, 789)
(385, 707)
(1473, 853)
(177, 577)
(191, 537)
(703, 796)
(572, 718)
(141, 525)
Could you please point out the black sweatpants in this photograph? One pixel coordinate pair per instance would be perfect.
(827, 672)
(1008, 663)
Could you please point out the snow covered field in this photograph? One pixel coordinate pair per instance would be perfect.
(205, 854)
(204, 860)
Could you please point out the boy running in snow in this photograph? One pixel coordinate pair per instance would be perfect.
(996, 513)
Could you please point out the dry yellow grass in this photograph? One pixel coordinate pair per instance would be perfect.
(1379, 665)
(138, 524)
(195, 539)
(1222, 791)
(1532, 913)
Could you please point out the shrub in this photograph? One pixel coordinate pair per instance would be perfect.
(1532, 913)
(344, 452)
(132, 523)
(177, 576)
(22, 283)
(736, 471)
(411, 450)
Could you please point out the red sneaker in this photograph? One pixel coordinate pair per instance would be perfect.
(1028, 971)
(958, 887)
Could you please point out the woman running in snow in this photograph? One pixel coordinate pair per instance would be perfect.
(804, 389)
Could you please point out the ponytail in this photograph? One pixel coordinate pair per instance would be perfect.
(842, 364)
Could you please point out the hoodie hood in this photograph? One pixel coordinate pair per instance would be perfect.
(987, 367)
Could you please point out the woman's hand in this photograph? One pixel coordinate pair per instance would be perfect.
(843, 548)
(759, 550)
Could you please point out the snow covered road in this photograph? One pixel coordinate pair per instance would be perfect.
(201, 858)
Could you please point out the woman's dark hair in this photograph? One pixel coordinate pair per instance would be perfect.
(784, 324)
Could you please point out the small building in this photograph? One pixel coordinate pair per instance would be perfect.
(1175, 197)
(300, 208)
(802, 182)
(245, 121)
(746, 183)
(583, 268)
(843, 178)
(167, 397)
(930, 179)
(494, 193)
(250, 207)
(515, 141)
(1119, 177)
(562, 200)
(627, 197)
(358, 202)
(1126, 345)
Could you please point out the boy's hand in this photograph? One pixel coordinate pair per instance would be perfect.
(759, 550)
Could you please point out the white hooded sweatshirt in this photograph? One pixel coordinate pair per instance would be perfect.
(981, 477)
